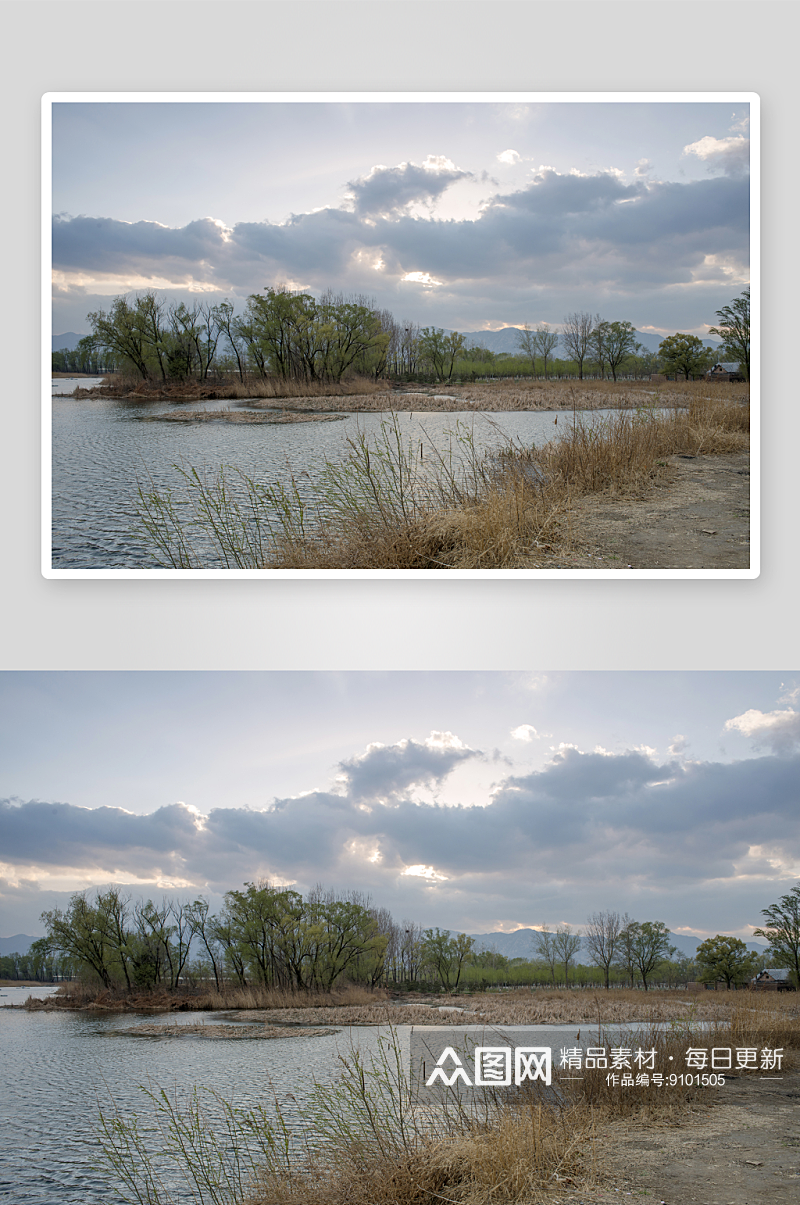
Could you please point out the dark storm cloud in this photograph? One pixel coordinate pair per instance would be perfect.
(391, 189)
(561, 231)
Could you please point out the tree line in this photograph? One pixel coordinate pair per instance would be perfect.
(295, 336)
(273, 936)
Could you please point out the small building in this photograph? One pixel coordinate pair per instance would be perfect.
(773, 979)
(724, 372)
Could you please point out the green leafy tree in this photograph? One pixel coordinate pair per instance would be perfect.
(684, 354)
(350, 934)
(619, 344)
(725, 958)
(597, 344)
(440, 350)
(734, 330)
(488, 960)
(93, 933)
(641, 946)
(446, 955)
(120, 331)
(782, 931)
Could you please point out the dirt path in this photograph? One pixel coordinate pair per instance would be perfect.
(698, 517)
(744, 1150)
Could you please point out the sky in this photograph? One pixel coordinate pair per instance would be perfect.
(474, 801)
(465, 215)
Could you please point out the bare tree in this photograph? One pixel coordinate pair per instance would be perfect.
(566, 943)
(545, 342)
(575, 336)
(526, 342)
(411, 950)
(544, 947)
(601, 937)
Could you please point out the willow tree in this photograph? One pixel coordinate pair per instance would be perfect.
(734, 330)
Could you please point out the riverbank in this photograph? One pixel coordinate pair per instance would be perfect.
(364, 1007)
(371, 396)
(696, 515)
(588, 1136)
(240, 416)
(532, 507)
(745, 1147)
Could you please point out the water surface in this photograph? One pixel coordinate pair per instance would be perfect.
(103, 451)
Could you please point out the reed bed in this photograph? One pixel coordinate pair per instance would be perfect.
(229, 390)
(240, 416)
(394, 504)
(220, 1033)
(367, 1139)
(368, 394)
(524, 1007)
(508, 395)
(207, 999)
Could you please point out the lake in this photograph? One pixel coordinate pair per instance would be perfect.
(102, 450)
(60, 1067)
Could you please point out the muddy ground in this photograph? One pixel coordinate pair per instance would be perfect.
(743, 1150)
(696, 517)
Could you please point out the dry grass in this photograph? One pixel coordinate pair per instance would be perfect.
(217, 1033)
(365, 1139)
(359, 394)
(228, 390)
(239, 416)
(524, 394)
(515, 509)
(520, 1156)
(205, 999)
(491, 529)
(557, 1007)
(622, 455)
(768, 1020)
(544, 1140)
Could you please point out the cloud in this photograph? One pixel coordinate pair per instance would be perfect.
(777, 730)
(392, 190)
(643, 167)
(652, 826)
(564, 235)
(388, 772)
(510, 157)
(525, 732)
(730, 155)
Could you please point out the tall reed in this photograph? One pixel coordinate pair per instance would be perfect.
(391, 503)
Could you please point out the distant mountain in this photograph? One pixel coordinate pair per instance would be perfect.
(16, 945)
(506, 339)
(502, 340)
(67, 342)
(519, 944)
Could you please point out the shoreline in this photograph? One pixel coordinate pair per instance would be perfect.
(458, 397)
